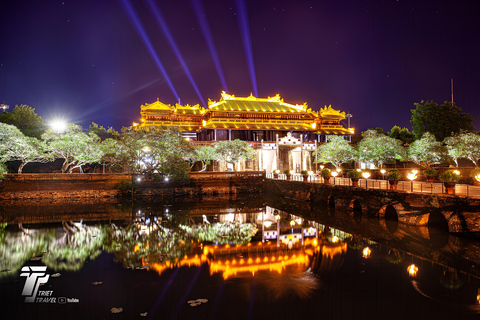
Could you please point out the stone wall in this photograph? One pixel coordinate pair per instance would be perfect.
(461, 214)
(87, 186)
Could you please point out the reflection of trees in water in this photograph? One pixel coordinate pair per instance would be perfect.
(74, 247)
(450, 279)
(132, 245)
(394, 256)
(228, 232)
(65, 251)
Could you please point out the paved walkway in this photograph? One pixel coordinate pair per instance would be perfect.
(415, 186)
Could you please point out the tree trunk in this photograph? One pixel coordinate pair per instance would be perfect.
(20, 168)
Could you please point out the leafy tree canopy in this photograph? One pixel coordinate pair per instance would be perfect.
(149, 150)
(74, 146)
(16, 146)
(337, 151)
(102, 132)
(25, 119)
(440, 120)
(205, 154)
(464, 145)
(426, 151)
(379, 149)
(403, 134)
(234, 151)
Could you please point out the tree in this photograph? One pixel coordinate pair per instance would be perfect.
(336, 151)
(15, 146)
(379, 148)
(440, 120)
(101, 131)
(454, 147)
(426, 151)
(403, 134)
(234, 151)
(149, 150)
(74, 146)
(25, 119)
(464, 145)
(205, 154)
(3, 169)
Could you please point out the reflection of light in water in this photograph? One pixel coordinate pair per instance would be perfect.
(412, 270)
(366, 252)
(330, 252)
(292, 282)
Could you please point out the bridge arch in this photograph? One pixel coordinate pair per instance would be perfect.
(388, 218)
(437, 220)
(331, 201)
(357, 207)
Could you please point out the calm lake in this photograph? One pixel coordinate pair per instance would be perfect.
(229, 259)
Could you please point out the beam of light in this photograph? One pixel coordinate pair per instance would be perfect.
(113, 99)
(247, 42)
(154, 309)
(148, 44)
(181, 302)
(207, 33)
(216, 302)
(161, 23)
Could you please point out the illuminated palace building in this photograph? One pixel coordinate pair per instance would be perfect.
(284, 135)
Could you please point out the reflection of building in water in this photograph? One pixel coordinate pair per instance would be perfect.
(286, 241)
(251, 258)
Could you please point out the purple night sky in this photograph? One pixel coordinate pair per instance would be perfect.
(87, 60)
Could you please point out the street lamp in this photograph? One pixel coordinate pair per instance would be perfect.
(348, 116)
(58, 125)
(334, 175)
(412, 176)
(366, 175)
(383, 173)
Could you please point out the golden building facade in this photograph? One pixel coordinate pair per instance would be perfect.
(284, 135)
(245, 118)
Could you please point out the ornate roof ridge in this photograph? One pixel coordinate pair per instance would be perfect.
(329, 111)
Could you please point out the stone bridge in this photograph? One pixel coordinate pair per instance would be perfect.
(457, 214)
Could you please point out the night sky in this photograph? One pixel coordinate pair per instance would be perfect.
(87, 60)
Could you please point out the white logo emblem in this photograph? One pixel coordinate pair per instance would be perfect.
(35, 277)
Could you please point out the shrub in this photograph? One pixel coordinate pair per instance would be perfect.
(354, 174)
(393, 175)
(304, 172)
(449, 176)
(325, 173)
(430, 172)
(475, 172)
(286, 171)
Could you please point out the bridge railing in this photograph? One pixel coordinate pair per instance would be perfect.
(408, 186)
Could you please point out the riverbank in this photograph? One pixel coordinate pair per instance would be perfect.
(67, 187)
